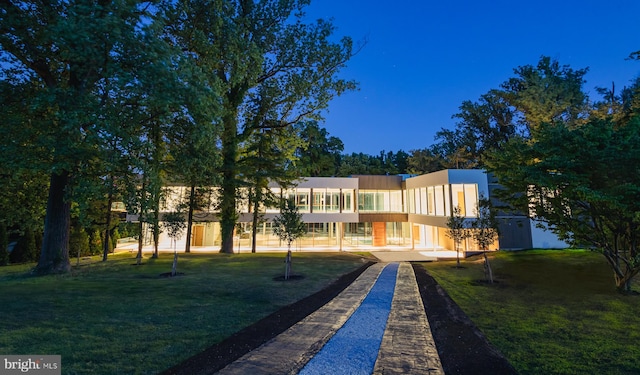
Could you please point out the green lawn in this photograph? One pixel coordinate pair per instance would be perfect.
(551, 312)
(117, 318)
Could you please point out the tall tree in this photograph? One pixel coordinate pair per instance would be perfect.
(360, 163)
(583, 182)
(423, 161)
(267, 51)
(622, 104)
(483, 125)
(194, 143)
(547, 92)
(537, 94)
(60, 54)
(268, 157)
(457, 149)
(400, 160)
(320, 154)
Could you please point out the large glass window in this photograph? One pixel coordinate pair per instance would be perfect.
(318, 200)
(395, 201)
(411, 201)
(465, 197)
(381, 204)
(274, 208)
(447, 201)
(326, 200)
(380, 200)
(470, 199)
(431, 206)
(357, 234)
(424, 201)
(439, 192)
(332, 200)
(300, 196)
(457, 196)
(347, 195)
(366, 201)
(302, 199)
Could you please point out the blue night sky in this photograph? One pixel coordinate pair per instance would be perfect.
(424, 58)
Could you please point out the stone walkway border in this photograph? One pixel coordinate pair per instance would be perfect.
(407, 345)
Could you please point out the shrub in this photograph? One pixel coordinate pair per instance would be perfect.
(95, 242)
(78, 242)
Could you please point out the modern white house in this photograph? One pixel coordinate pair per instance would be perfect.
(365, 212)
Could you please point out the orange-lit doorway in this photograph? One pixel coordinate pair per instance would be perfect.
(197, 237)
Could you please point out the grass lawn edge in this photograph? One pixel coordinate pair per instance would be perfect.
(232, 348)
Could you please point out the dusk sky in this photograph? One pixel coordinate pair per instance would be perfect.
(424, 58)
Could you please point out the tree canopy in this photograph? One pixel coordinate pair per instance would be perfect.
(122, 93)
(275, 71)
(319, 155)
(537, 93)
(568, 162)
(583, 182)
(64, 64)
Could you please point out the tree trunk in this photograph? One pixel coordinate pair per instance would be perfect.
(487, 269)
(156, 225)
(140, 241)
(254, 231)
(254, 223)
(623, 283)
(54, 257)
(174, 266)
(228, 214)
(105, 247)
(192, 201)
(287, 264)
(622, 275)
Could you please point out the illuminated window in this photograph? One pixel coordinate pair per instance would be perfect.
(347, 195)
(439, 193)
(332, 200)
(470, 199)
(431, 206)
(318, 200)
(457, 196)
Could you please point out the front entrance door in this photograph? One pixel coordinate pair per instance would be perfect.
(198, 235)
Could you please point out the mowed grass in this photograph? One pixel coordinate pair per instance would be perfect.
(118, 318)
(551, 312)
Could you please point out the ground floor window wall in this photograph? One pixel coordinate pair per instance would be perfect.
(428, 237)
(345, 236)
(376, 234)
(319, 235)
